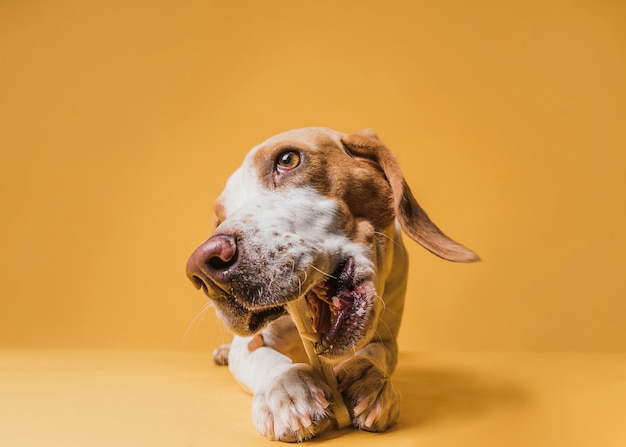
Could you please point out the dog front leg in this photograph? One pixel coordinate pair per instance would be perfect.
(290, 400)
(365, 382)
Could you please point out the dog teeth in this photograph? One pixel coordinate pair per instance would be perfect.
(311, 336)
(321, 347)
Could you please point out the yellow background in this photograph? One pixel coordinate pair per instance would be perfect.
(120, 122)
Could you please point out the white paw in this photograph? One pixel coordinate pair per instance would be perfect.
(293, 406)
(373, 399)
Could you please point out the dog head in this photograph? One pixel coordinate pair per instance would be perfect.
(305, 215)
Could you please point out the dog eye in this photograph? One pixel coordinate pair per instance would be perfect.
(287, 161)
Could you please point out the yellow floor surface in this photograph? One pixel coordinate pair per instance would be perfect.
(93, 398)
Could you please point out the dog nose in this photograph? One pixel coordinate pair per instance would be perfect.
(213, 261)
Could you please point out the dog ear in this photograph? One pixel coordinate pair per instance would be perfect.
(412, 218)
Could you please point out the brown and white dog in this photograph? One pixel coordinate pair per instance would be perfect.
(316, 213)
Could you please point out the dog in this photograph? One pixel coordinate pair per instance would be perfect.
(319, 214)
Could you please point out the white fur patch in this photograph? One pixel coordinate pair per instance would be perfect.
(300, 223)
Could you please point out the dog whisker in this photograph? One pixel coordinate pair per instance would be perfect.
(300, 284)
(323, 273)
(384, 236)
(198, 317)
(386, 309)
(223, 333)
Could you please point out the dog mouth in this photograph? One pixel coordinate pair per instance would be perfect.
(336, 306)
(333, 305)
(259, 319)
(245, 321)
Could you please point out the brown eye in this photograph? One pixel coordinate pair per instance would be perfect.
(287, 161)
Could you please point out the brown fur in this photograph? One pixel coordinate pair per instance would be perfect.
(250, 287)
(413, 219)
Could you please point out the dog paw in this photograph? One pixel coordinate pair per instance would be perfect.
(370, 394)
(220, 355)
(293, 406)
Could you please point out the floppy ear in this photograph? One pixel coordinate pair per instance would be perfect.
(412, 218)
